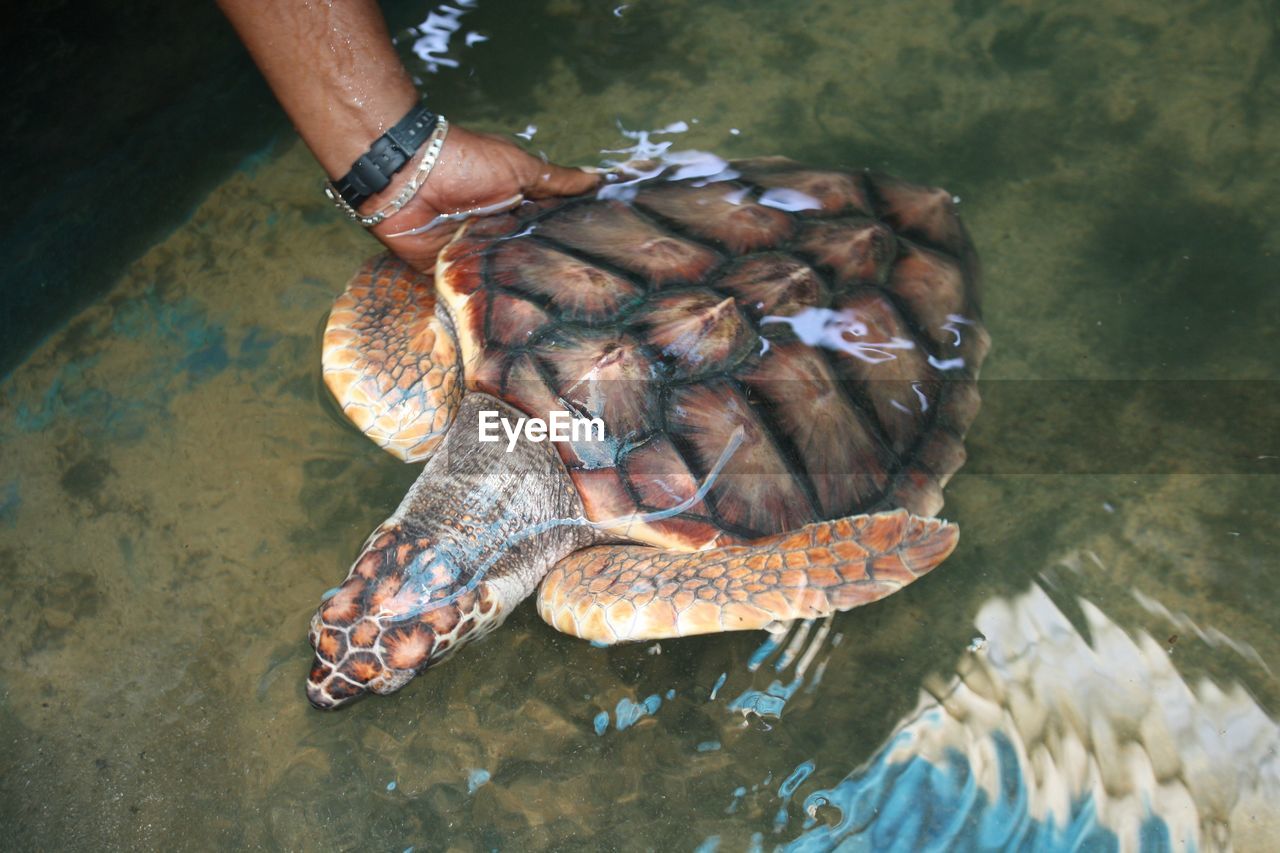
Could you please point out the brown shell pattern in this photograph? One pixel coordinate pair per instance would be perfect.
(822, 324)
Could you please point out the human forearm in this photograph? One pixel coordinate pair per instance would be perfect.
(335, 71)
(333, 68)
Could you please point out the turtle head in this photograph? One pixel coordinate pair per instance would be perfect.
(405, 606)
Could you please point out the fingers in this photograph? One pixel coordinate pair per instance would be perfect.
(478, 174)
(538, 178)
(552, 180)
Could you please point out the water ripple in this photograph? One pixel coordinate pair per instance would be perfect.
(1048, 741)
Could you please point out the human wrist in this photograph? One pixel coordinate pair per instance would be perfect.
(381, 181)
(373, 171)
(405, 192)
(392, 191)
(350, 125)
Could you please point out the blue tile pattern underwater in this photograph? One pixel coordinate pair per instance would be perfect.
(187, 348)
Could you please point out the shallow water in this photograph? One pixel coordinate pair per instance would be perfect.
(176, 490)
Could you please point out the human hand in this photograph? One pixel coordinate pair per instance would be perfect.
(474, 170)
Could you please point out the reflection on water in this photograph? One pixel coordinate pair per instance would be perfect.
(803, 646)
(1053, 739)
(173, 493)
(432, 36)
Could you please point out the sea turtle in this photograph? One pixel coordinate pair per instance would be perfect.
(773, 369)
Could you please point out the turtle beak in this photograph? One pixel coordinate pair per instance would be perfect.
(328, 689)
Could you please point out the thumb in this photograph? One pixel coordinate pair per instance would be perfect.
(552, 180)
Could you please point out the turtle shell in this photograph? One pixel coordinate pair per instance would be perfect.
(776, 346)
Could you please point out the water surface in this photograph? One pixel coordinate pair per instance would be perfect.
(176, 491)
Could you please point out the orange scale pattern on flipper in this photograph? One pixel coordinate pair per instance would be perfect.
(708, 591)
(389, 361)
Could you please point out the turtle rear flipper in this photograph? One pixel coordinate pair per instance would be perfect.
(390, 361)
(617, 593)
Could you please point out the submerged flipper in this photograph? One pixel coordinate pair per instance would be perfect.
(390, 361)
(616, 593)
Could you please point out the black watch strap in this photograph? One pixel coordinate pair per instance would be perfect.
(386, 156)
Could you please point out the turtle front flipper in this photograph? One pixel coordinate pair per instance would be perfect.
(616, 593)
(390, 361)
